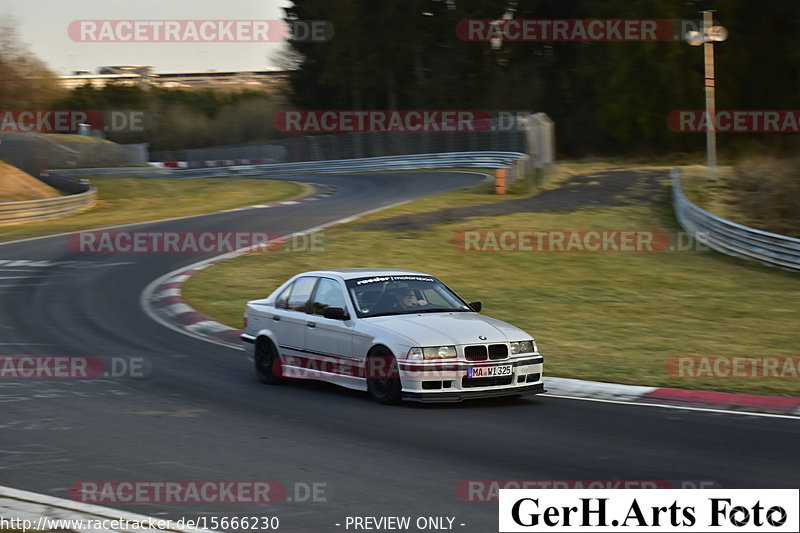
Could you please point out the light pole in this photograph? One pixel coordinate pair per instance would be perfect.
(707, 38)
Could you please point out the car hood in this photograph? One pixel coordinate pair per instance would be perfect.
(438, 329)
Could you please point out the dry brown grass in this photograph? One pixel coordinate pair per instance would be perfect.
(17, 186)
(765, 193)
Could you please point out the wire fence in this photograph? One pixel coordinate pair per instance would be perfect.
(532, 134)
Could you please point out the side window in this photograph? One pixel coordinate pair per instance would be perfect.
(301, 292)
(328, 294)
(282, 301)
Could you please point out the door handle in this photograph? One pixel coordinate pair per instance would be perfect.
(275, 317)
(311, 324)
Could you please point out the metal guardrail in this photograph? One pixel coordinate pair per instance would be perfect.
(66, 179)
(82, 196)
(397, 162)
(401, 162)
(47, 208)
(731, 238)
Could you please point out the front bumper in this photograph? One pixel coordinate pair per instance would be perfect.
(461, 395)
(452, 380)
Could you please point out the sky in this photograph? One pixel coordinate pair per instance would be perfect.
(43, 25)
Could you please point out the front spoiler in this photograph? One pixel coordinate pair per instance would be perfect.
(458, 396)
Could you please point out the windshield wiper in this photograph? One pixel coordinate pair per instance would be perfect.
(390, 313)
(416, 311)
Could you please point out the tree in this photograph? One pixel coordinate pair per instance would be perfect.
(25, 81)
(605, 97)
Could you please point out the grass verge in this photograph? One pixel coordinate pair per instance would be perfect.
(130, 200)
(616, 317)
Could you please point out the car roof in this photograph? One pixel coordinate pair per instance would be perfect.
(354, 273)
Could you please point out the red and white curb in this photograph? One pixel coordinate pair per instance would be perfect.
(169, 164)
(165, 300)
(162, 301)
(40, 512)
(615, 392)
(210, 163)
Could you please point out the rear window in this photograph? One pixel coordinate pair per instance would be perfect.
(301, 292)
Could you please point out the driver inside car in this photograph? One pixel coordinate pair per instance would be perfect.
(407, 298)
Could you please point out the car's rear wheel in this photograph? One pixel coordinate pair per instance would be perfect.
(268, 362)
(383, 377)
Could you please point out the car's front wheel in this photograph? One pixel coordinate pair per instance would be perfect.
(383, 377)
(268, 362)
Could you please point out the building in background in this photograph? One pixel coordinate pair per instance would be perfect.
(144, 76)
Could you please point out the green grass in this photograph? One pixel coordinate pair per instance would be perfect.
(614, 317)
(130, 200)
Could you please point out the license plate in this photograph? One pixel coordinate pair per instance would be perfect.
(489, 371)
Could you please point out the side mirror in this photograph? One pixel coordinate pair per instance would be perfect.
(336, 313)
(476, 306)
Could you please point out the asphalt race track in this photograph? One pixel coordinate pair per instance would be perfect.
(202, 415)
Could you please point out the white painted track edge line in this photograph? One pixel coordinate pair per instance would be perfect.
(669, 406)
(85, 508)
(144, 222)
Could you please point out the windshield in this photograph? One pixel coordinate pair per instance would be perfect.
(400, 295)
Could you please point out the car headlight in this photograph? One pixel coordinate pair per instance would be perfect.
(522, 347)
(439, 352)
(414, 353)
(433, 352)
